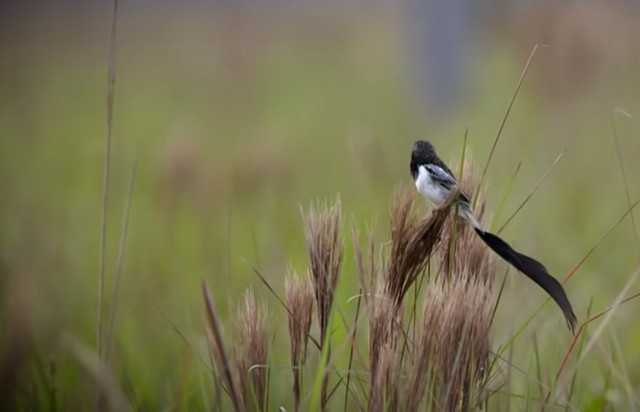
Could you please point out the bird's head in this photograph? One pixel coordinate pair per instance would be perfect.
(422, 149)
(421, 153)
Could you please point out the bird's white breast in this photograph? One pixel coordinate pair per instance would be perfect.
(433, 192)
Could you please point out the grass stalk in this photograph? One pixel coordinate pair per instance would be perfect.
(220, 352)
(566, 279)
(123, 238)
(531, 194)
(111, 80)
(504, 120)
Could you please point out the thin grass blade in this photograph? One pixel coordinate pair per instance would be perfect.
(566, 279)
(504, 119)
(532, 193)
(123, 239)
(218, 341)
(503, 202)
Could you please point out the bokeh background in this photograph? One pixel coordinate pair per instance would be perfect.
(241, 112)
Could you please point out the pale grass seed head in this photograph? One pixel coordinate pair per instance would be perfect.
(251, 350)
(367, 266)
(463, 340)
(323, 232)
(299, 300)
(413, 239)
(322, 226)
(422, 372)
(382, 328)
(383, 380)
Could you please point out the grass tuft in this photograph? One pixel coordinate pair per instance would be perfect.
(299, 299)
(251, 351)
(322, 226)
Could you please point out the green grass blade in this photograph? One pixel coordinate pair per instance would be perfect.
(452, 246)
(536, 187)
(624, 179)
(547, 300)
(322, 367)
(504, 198)
(504, 120)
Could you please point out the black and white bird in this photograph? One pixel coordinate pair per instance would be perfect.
(435, 181)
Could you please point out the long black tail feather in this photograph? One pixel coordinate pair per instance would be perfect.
(535, 271)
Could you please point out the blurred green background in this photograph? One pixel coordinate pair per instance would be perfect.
(242, 113)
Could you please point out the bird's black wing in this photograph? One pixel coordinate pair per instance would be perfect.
(442, 175)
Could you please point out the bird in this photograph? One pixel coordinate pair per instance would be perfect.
(434, 181)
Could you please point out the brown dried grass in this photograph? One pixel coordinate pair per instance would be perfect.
(441, 366)
(413, 242)
(322, 226)
(453, 350)
(323, 233)
(413, 239)
(299, 298)
(251, 351)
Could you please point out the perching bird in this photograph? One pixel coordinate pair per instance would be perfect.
(434, 181)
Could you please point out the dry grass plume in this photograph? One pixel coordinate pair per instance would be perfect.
(251, 352)
(323, 233)
(440, 364)
(299, 298)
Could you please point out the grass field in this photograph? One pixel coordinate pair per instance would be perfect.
(234, 132)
